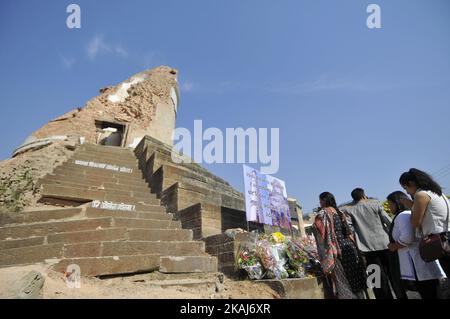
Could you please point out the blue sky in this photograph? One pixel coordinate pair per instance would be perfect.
(355, 106)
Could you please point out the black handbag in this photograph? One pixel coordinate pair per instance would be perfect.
(435, 246)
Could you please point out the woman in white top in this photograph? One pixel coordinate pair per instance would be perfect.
(430, 208)
(425, 276)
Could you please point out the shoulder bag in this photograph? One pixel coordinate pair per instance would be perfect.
(435, 246)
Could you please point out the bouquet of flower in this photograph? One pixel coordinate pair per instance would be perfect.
(271, 259)
(247, 260)
(277, 238)
(308, 245)
(298, 259)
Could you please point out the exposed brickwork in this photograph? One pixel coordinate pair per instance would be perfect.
(138, 109)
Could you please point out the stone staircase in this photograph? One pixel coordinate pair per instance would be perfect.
(201, 200)
(113, 225)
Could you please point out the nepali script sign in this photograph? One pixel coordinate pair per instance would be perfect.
(266, 199)
(112, 206)
(111, 167)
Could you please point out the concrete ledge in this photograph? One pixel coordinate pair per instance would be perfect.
(188, 264)
(306, 288)
(102, 266)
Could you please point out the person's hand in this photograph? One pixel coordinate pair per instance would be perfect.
(393, 246)
(407, 202)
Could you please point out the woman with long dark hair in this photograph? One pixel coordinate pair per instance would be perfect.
(339, 255)
(405, 249)
(430, 208)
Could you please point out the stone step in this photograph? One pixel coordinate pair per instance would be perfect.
(99, 171)
(30, 254)
(202, 184)
(180, 173)
(115, 265)
(45, 228)
(168, 174)
(75, 177)
(105, 147)
(99, 213)
(42, 253)
(96, 235)
(123, 153)
(160, 154)
(157, 212)
(116, 166)
(84, 195)
(94, 184)
(146, 223)
(99, 235)
(138, 195)
(160, 235)
(115, 150)
(38, 216)
(16, 243)
(168, 248)
(193, 168)
(97, 174)
(121, 162)
(183, 195)
(144, 207)
(186, 194)
(188, 264)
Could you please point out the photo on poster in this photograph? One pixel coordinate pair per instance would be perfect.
(278, 202)
(266, 199)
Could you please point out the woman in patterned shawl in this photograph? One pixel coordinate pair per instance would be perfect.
(342, 265)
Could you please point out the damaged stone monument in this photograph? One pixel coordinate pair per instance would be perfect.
(83, 198)
(98, 187)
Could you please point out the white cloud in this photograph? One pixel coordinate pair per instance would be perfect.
(211, 87)
(121, 51)
(328, 83)
(152, 59)
(98, 46)
(67, 62)
(187, 87)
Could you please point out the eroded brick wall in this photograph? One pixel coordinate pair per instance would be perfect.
(146, 106)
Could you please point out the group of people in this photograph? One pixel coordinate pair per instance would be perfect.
(359, 239)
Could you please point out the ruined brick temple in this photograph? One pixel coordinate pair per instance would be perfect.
(98, 188)
(145, 104)
(102, 190)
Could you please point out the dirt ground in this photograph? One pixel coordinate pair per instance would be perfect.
(141, 286)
